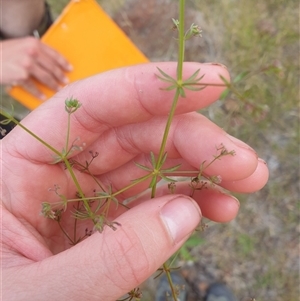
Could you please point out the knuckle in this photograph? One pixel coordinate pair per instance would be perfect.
(23, 75)
(33, 46)
(27, 64)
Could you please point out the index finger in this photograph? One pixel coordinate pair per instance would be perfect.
(136, 93)
(115, 98)
(57, 57)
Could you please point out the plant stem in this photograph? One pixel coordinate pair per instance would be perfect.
(167, 271)
(181, 46)
(165, 136)
(68, 135)
(75, 225)
(66, 234)
(83, 198)
(31, 133)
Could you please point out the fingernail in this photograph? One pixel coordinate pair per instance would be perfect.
(240, 143)
(65, 80)
(180, 216)
(70, 67)
(262, 161)
(42, 97)
(216, 64)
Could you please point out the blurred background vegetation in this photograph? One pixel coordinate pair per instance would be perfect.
(258, 253)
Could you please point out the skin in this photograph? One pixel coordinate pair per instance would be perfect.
(18, 18)
(27, 60)
(122, 117)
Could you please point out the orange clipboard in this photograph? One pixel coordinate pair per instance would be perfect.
(90, 40)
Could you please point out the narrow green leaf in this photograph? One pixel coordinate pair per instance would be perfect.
(224, 94)
(240, 76)
(142, 166)
(165, 80)
(159, 274)
(193, 76)
(199, 78)
(171, 169)
(115, 200)
(185, 254)
(194, 241)
(226, 82)
(163, 160)
(171, 87)
(100, 203)
(153, 160)
(193, 81)
(165, 76)
(194, 88)
(176, 23)
(181, 92)
(201, 169)
(5, 121)
(167, 179)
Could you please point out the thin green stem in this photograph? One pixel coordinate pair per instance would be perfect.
(212, 85)
(181, 47)
(83, 198)
(68, 134)
(66, 234)
(167, 271)
(167, 129)
(75, 225)
(31, 133)
(174, 258)
(95, 198)
(140, 180)
(86, 170)
(181, 44)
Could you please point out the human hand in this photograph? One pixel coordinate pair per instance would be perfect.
(25, 59)
(122, 117)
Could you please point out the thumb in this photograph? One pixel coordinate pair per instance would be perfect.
(108, 265)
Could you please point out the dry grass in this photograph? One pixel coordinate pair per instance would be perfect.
(257, 253)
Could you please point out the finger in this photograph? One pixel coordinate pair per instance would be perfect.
(135, 94)
(53, 69)
(123, 177)
(45, 77)
(32, 88)
(192, 137)
(57, 58)
(50, 68)
(115, 98)
(251, 184)
(215, 203)
(108, 265)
